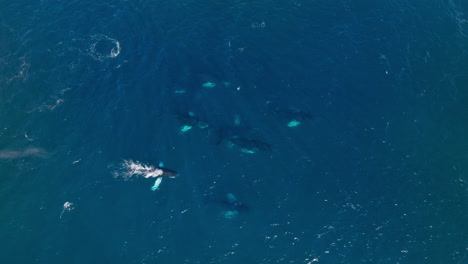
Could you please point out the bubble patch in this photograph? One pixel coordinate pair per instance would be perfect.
(104, 47)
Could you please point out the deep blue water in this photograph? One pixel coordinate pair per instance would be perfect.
(376, 172)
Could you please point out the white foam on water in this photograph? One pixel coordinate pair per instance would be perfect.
(104, 47)
(130, 168)
(51, 103)
(22, 73)
(67, 206)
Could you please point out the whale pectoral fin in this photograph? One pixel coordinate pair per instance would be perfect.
(156, 183)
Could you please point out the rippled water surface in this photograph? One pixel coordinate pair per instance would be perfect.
(287, 131)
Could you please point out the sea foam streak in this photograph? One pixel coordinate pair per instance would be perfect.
(23, 153)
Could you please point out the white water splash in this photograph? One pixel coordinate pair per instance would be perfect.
(130, 168)
(67, 206)
(51, 103)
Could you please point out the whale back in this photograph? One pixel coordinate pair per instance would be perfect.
(168, 173)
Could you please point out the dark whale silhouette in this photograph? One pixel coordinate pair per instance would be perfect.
(292, 116)
(232, 139)
(154, 172)
(168, 173)
(228, 202)
(190, 119)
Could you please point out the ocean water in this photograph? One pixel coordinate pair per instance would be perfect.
(375, 172)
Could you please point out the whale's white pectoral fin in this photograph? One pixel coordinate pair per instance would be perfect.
(156, 183)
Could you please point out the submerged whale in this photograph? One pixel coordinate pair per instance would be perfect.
(244, 144)
(247, 145)
(229, 204)
(189, 121)
(291, 116)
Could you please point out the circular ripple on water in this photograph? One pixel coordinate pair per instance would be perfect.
(104, 47)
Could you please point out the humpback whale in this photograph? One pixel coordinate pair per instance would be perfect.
(229, 204)
(161, 172)
(131, 168)
(153, 172)
(189, 121)
(291, 116)
(246, 145)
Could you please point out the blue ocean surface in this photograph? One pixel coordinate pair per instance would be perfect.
(300, 131)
